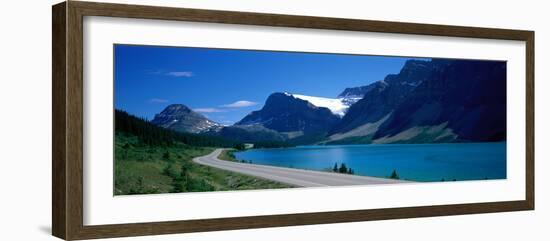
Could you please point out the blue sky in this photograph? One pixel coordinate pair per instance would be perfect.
(225, 85)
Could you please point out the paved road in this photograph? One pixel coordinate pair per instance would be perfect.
(296, 177)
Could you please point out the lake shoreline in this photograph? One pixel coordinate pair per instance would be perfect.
(291, 176)
(422, 162)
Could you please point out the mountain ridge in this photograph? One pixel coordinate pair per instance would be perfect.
(283, 112)
(427, 101)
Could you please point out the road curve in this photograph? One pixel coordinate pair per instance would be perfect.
(291, 176)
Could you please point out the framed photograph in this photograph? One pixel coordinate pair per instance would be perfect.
(171, 120)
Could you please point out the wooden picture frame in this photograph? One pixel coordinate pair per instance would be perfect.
(67, 150)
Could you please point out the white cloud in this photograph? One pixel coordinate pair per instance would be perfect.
(186, 74)
(157, 100)
(154, 72)
(227, 107)
(208, 110)
(227, 122)
(240, 104)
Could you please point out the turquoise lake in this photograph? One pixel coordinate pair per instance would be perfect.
(417, 162)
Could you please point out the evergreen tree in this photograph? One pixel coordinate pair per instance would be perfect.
(153, 135)
(343, 168)
(240, 146)
(394, 175)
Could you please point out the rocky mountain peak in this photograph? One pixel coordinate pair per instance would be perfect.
(285, 113)
(181, 118)
(176, 108)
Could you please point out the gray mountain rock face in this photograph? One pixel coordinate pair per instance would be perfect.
(434, 101)
(181, 118)
(382, 97)
(285, 113)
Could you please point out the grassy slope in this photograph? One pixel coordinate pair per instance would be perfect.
(141, 169)
(228, 155)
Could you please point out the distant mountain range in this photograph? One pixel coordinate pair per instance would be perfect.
(426, 102)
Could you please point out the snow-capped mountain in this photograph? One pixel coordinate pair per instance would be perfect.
(337, 106)
(181, 118)
(429, 101)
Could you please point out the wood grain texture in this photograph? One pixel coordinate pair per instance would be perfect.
(279, 20)
(75, 106)
(59, 192)
(67, 136)
(530, 120)
(155, 228)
